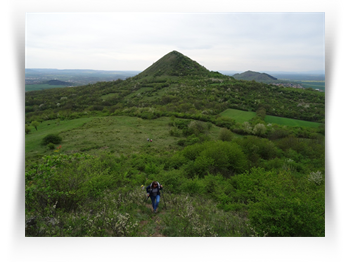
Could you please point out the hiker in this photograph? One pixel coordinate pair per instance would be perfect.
(153, 191)
(147, 139)
(151, 139)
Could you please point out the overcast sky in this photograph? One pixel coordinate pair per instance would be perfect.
(219, 41)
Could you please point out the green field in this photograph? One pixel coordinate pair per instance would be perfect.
(314, 84)
(244, 116)
(117, 134)
(238, 115)
(289, 122)
(41, 87)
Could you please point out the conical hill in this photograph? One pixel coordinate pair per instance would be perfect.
(174, 64)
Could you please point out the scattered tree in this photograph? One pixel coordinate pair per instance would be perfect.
(27, 129)
(259, 129)
(247, 127)
(51, 138)
(35, 124)
(225, 135)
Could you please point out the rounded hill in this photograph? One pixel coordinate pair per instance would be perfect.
(251, 75)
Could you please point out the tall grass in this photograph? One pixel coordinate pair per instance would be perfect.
(124, 214)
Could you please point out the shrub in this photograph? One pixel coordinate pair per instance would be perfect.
(27, 129)
(259, 129)
(69, 180)
(51, 146)
(226, 158)
(181, 142)
(175, 132)
(260, 147)
(225, 122)
(196, 127)
(247, 127)
(315, 177)
(51, 138)
(176, 161)
(279, 205)
(277, 133)
(225, 135)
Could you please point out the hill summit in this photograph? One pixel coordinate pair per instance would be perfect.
(174, 64)
(251, 75)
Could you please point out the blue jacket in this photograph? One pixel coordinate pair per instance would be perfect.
(149, 189)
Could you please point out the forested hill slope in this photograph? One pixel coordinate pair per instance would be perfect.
(175, 84)
(174, 64)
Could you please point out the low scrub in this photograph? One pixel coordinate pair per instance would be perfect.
(51, 138)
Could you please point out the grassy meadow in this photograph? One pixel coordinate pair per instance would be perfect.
(34, 138)
(113, 134)
(244, 116)
(238, 115)
(289, 122)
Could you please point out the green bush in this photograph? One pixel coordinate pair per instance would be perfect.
(176, 161)
(181, 142)
(51, 146)
(254, 146)
(51, 138)
(226, 158)
(175, 132)
(225, 135)
(280, 205)
(68, 180)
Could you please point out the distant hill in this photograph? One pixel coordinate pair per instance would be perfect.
(251, 75)
(174, 64)
(58, 83)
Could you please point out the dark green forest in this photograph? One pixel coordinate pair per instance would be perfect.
(221, 177)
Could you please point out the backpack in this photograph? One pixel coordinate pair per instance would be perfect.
(150, 187)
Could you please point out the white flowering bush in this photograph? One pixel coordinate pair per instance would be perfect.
(288, 165)
(247, 127)
(259, 129)
(315, 177)
(124, 226)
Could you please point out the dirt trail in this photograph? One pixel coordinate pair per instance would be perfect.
(155, 221)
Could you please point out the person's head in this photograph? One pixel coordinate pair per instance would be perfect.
(154, 184)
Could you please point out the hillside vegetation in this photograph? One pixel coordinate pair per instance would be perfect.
(251, 75)
(225, 173)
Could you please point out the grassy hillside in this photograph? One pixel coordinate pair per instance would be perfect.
(33, 140)
(120, 135)
(177, 84)
(226, 170)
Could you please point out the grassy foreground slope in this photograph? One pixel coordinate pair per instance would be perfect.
(116, 134)
(33, 140)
